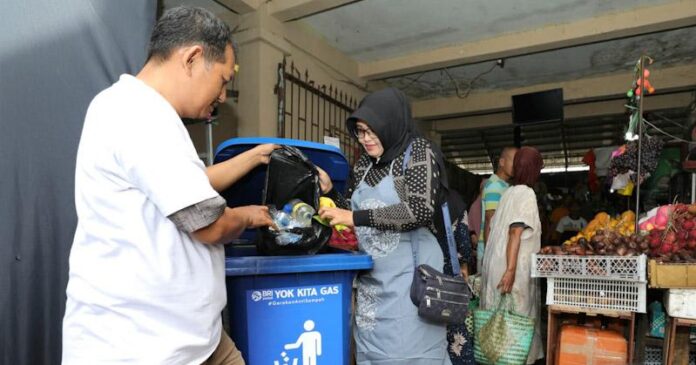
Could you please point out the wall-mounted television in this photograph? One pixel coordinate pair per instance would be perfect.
(542, 106)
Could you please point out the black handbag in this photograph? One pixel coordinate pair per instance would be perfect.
(440, 297)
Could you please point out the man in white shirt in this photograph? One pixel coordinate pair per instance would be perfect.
(571, 224)
(147, 282)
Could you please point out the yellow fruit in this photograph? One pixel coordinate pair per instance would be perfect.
(628, 216)
(601, 217)
(325, 202)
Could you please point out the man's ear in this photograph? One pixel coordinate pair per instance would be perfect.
(189, 56)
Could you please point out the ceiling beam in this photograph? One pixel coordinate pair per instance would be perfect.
(287, 10)
(601, 28)
(241, 6)
(608, 86)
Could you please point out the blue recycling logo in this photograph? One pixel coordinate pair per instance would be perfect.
(295, 326)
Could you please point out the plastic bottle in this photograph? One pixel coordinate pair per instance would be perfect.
(300, 211)
(282, 220)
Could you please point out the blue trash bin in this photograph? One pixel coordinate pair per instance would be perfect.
(285, 309)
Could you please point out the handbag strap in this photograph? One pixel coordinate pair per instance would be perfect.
(448, 227)
(457, 271)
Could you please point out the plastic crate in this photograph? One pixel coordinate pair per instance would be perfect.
(597, 294)
(625, 268)
(653, 356)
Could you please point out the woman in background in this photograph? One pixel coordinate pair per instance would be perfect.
(460, 342)
(515, 236)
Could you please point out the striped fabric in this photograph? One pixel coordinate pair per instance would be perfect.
(493, 190)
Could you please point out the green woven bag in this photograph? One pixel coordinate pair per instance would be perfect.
(502, 337)
(469, 321)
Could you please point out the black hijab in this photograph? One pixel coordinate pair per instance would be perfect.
(388, 113)
(456, 204)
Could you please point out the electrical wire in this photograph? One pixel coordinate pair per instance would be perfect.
(665, 133)
(471, 83)
(413, 81)
(225, 6)
(667, 119)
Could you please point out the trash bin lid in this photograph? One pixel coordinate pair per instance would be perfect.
(267, 265)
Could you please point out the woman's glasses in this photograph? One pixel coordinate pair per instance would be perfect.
(361, 133)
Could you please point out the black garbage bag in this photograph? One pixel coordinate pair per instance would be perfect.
(290, 175)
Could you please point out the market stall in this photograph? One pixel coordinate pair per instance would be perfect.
(601, 281)
(596, 283)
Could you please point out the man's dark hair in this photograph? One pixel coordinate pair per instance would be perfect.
(504, 153)
(184, 26)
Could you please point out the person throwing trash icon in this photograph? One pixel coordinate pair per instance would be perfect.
(310, 341)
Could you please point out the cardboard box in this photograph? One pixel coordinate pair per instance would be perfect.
(678, 276)
(680, 303)
(580, 345)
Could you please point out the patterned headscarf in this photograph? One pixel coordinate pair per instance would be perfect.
(388, 113)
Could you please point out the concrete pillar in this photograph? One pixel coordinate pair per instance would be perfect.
(257, 107)
(263, 42)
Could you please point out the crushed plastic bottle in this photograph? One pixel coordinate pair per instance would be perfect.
(300, 211)
(284, 222)
(287, 238)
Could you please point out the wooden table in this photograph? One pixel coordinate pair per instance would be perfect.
(552, 329)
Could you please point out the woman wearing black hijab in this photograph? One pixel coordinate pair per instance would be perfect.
(393, 195)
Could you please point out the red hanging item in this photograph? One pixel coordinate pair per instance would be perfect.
(592, 179)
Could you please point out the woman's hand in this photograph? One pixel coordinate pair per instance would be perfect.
(324, 181)
(511, 255)
(337, 216)
(506, 282)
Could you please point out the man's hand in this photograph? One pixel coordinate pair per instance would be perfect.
(337, 216)
(507, 281)
(232, 224)
(262, 153)
(324, 181)
(255, 215)
(222, 175)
